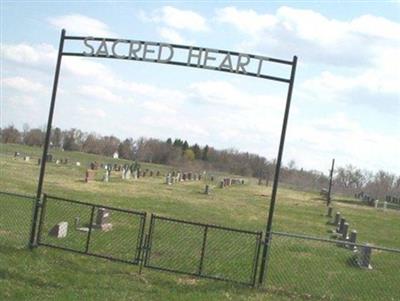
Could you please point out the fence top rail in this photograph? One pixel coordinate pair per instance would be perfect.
(307, 237)
(143, 213)
(205, 225)
(18, 195)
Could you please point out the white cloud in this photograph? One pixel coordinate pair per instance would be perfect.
(98, 93)
(81, 25)
(92, 112)
(314, 37)
(32, 55)
(23, 84)
(176, 18)
(172, 36)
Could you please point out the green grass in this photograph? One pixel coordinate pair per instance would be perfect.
(299, 269)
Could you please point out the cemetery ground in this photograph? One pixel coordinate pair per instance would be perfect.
(299, 269)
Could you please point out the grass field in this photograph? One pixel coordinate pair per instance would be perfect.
(299, 269)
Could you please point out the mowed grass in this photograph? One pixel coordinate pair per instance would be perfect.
(298, 268)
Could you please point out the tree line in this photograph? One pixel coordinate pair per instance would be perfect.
(179, 153)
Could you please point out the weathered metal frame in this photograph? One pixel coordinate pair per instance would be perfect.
(290, 81)
(139, 243)
(257, 243)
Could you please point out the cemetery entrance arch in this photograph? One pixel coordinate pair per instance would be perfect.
(179, 55)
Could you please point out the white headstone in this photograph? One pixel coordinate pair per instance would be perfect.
(60, 230)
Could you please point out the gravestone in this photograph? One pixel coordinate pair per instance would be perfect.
(345, 231)
(329, 214)
(364, 257)
(27, 158)
(89, 175)
(243, 182)
(49, 158)
(207, 190)
(78, 225)
(39, 161)
(103, 219)
(184, 177)
(189, 176)
(151, 173)
(60, 230)
(339, 229)
(78, 163)
(337, 219)
(57, 161)
(157, 173)
(212, 179)
(353, 239)
(221, 184)
(199, 177)
(384, 206)
(16, 154)
(376, 203)
(106, 176)
(168, 180)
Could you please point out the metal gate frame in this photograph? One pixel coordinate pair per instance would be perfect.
(200, 273)
(139, 244)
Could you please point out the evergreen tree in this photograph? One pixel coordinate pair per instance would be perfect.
(204, 156)
(197, 151)
(169, 141)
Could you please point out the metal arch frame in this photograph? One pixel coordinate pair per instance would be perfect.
(290, 81)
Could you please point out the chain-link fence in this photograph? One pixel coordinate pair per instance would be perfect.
(312, 268)
(101, 231)
(16, 213)
(203, 250)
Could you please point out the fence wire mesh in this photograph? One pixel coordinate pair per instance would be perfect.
(16, 213)
(319, 269)
(203, 250)
(92, 229)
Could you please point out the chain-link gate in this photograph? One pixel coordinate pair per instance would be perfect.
(202, 250)
(172, 245)
(96, 230)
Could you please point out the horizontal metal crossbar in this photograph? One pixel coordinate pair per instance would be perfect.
(96, 205)
(333, 241)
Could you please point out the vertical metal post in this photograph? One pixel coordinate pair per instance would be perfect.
(328, 197)
(203, 250)
(32, 242)
(90, 229)
(263, 267)
(42, 216)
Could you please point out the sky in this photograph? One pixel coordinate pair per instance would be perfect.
(346, 97)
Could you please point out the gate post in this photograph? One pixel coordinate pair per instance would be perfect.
(268, 232)
(32, 241)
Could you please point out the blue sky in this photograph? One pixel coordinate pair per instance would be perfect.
(345, 105)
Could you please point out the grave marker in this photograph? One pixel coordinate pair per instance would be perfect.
(60, 230)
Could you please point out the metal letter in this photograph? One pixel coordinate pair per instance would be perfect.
(241, 65)
(114, 54)
(85, 41)
(100, 51)
(198, 56)
(171, 53)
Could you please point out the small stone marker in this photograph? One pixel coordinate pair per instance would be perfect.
(353, 239)
(78, 163)
(207, 190)
(16, 154)
(376, 203)
(60, 230)
(364, 257)
(329, 214)
(337, 219)
(27, 158)
(384, 206)
(221, 184)
(339, 230)
(345, 231)
(103, 219)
